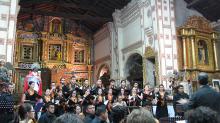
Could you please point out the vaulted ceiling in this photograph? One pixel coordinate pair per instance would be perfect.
(90, 13)
(208, 8)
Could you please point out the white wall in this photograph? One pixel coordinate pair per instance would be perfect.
(129, 38)
(182, 12)
(8, 18)
(102, 49)
(131, 33)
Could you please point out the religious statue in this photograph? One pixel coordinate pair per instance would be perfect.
(55, 26)
(55, 53)
(202, 52)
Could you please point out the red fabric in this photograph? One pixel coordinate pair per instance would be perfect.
(26, 83)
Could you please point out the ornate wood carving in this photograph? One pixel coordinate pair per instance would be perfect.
(196, 39)
(199, 23)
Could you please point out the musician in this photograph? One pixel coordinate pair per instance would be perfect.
(179, 95)
(73, 99)
(47, 98)
(85, 86)
(123, 95)
(65, 88)
(137, 87)
(97, 86)
(112, 86)
(59, 103)
(100, 98)
(162, 96)
(53, 89)
(147, 97)
(110, 97)
(73, 84)
(134, 98)
(125, 87)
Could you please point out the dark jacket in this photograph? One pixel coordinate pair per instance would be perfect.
(179, 96)
(180, 109)
(88, 118)
(47, 118)
(97, 120)
(205, 96)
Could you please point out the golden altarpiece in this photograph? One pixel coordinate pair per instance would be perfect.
(197, 48)
(60, 55)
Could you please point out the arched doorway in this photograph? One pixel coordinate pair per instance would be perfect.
(134, 69)
(104, 74)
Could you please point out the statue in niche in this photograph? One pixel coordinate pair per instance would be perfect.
(79, 56)
(55, 52)
(202, 52)
(55, 26)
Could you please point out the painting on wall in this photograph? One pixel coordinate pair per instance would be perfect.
(27, 52)
(79, 56)
(55, 52)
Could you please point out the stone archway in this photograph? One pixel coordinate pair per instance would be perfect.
(134, 69)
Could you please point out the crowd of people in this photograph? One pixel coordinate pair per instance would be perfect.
(71, 102)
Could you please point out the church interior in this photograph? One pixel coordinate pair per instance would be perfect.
(145, 41)
(158, 58)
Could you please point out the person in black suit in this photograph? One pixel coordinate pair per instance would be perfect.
(179, 95)
(205, 95)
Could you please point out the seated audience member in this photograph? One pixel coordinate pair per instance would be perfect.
(68, 118)
(201, 115)
(78, 112)
(26, 113)
(118, 114)
(141, 116)
(49, 116)
(101, 115)
(89, 112)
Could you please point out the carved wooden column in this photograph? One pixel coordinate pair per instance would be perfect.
(214, 39)
(89, 74)
(184, 53)
(215, 55)
(188, 51)
(64, 56)
(193, 53)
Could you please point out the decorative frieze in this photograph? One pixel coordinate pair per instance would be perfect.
(132, 47)
(129, 13)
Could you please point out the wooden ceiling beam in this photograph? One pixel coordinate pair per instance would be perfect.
(63, 14)
(65, 5)
(194, 3)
